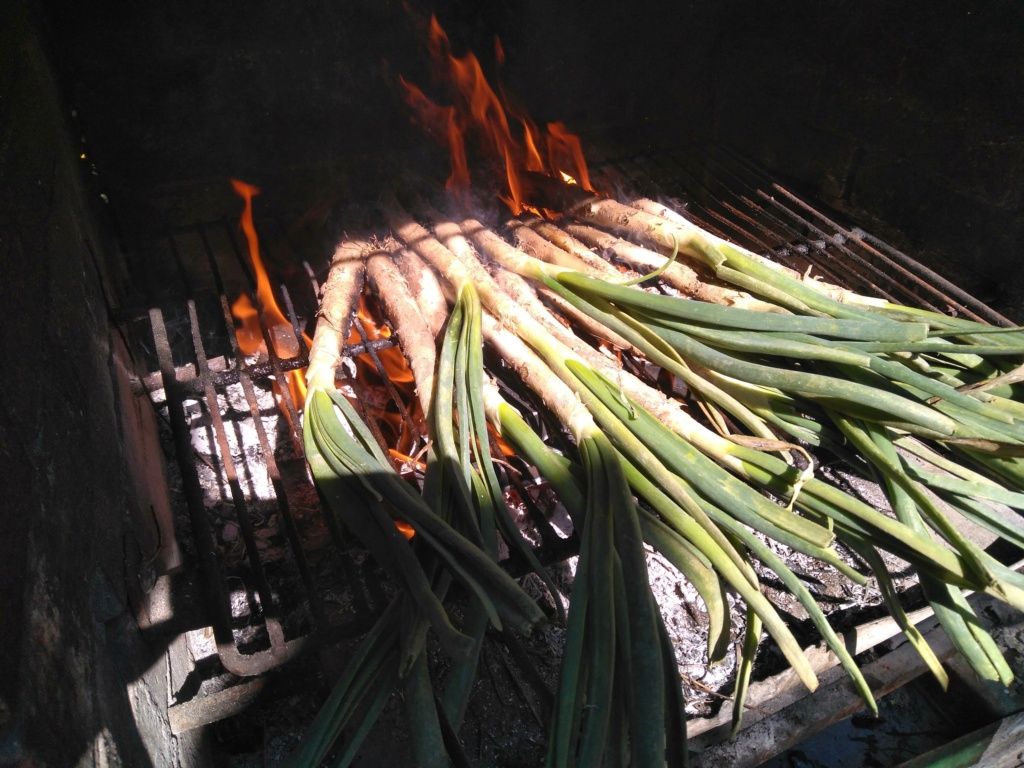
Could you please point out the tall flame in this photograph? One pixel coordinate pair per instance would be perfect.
(480, 112)
(249, 332)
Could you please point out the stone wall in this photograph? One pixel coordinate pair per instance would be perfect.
(70, 650)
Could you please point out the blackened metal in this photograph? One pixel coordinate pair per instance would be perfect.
(918, 272)
(743, 174)
(281, 379)
(280, 650)
(256, 371)
(246, 374)
(315, 601)
(865, 273)
(202, 532)
(312, 278)
(268, 604)
(549, 539)
(732, 198)
(213, 707)
(883, 274)
(362, 399)
(300, 337)
(231, 658)
(182, 383)
(188, 382)
(275, 360)
(367, 346)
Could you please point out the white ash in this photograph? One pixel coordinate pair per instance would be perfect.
(243, 443)
(560, 521)
(686, 621)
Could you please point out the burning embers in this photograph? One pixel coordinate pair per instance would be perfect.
(482, 116)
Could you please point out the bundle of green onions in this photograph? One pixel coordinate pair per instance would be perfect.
(456, 519)
(927, 403)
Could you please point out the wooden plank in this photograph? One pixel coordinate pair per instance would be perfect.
(829, 704)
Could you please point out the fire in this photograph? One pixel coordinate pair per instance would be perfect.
(564, 151)
(479, 112)
(391, 358)
(249, 332)
(399, 433)
(500, 442)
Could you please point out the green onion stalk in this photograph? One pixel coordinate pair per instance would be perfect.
(558, 377)
(615, 669)
(896, 398)
(968, 354)
(724, 451)
(902, 404)
(929, 404)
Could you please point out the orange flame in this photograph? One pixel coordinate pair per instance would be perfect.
(398, 433)
(442, 123)
(478, 111)
(565, 154)
(249, 332)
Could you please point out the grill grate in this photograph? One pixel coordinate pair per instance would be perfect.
(266, 605)
(265, 612)
(732, 198)
(269, 605)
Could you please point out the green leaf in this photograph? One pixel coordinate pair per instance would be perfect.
(868, 329)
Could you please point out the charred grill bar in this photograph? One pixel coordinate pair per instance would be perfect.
(733, 198)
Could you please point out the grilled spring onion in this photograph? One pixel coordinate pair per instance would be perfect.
(900, 402)
(883, 370)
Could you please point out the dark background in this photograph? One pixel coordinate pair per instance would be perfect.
(908, 116)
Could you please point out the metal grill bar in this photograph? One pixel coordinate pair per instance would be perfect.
(280, 651)
(867, 274)
(920, 274)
